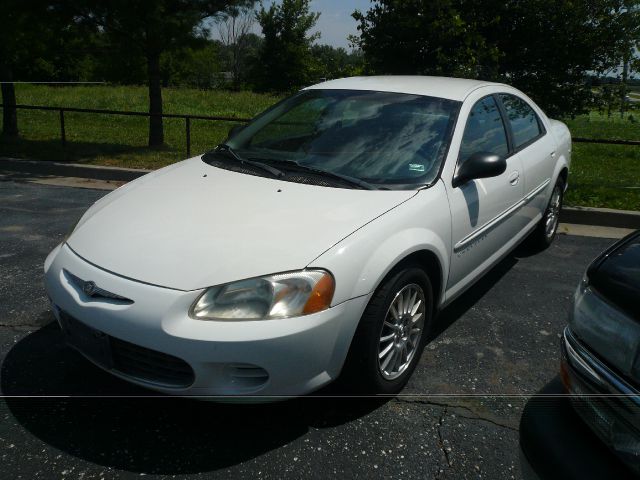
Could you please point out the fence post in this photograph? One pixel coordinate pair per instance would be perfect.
(187, 125)
(63, 136)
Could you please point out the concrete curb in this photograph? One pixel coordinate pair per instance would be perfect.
(605, 217)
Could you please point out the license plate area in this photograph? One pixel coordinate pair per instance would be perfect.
(92, 343)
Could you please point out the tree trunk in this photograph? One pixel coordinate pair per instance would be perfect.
(623, 87)
(156, 131)
(9, 114)
(236, 65)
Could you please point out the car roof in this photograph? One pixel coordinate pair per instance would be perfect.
(443, 87)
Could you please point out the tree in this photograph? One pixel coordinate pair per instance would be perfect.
(234, 29)
(22, 41)
(11, 32)
(249, 58)
(193, 67)
(435, 37)
(285, 62)
(544, 47)
(151, 28)
(628, 45)
(334, 62)
(549, 47)
(38, 42)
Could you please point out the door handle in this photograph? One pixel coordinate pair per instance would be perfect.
(553, 154)
(514, 178)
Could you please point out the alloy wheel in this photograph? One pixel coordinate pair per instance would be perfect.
(552, 215)
(401, 331)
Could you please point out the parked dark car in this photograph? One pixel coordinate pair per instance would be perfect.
(599, 384)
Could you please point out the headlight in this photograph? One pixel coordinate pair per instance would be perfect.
(275, 296)
(607, 331)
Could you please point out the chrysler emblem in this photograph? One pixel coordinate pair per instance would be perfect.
(89, 288)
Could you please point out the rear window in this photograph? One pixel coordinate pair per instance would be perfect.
(524, 121)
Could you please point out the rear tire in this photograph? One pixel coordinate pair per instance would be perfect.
(392, 333)
(545, 232)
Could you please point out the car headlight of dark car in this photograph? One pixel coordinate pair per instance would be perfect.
(609, 332)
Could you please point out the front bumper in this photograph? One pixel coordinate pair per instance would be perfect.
(283, 357)
(607, 403)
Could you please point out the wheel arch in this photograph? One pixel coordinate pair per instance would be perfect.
(430, 263)
(426, 259)
(564, 175)
(560, 171)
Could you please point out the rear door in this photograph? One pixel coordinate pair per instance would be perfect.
(536, 150)
(485, 212)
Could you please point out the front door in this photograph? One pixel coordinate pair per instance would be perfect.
(485, 212)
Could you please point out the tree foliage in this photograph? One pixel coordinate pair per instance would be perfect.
(544, 47)
(332, 62)
(148, 29)
(195, 66)
(234, 29)
(436, 37)
(38, 41)
(285, 62)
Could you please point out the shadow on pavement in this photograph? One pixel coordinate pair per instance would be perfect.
(157, 434)
(73, 152)
(450, 314)
(165, 435)
(556, 443)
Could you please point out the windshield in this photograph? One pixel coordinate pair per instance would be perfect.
(377, 137)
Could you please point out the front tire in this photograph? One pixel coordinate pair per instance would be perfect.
(392, 333)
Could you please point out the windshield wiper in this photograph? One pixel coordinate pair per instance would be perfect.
(290, 164)
(226, 149)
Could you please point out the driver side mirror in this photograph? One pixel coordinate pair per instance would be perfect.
(479, 165)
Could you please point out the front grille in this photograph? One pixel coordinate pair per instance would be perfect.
(131, 360)
(246, 375)
(149, 365)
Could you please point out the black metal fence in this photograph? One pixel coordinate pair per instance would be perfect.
(188, 118)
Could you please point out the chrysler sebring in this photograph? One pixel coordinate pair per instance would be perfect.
(319, 240)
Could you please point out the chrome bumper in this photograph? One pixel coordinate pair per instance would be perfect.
(608, 403)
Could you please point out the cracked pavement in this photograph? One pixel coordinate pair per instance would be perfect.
(457, 418)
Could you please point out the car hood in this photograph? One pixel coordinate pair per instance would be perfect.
(615, 274)
(192, 225)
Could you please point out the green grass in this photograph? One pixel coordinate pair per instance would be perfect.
(605, 175)
(601, 175)
(599, 125)
(119, 140)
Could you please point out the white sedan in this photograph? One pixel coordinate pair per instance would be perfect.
(319, 240)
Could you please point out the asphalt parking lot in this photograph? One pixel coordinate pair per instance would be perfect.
(61, 417)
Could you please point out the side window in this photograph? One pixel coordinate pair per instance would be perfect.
(484, 131)
(523, 120)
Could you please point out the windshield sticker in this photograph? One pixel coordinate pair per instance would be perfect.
(416, 167)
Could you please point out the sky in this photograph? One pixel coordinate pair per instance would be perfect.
(335, 23)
